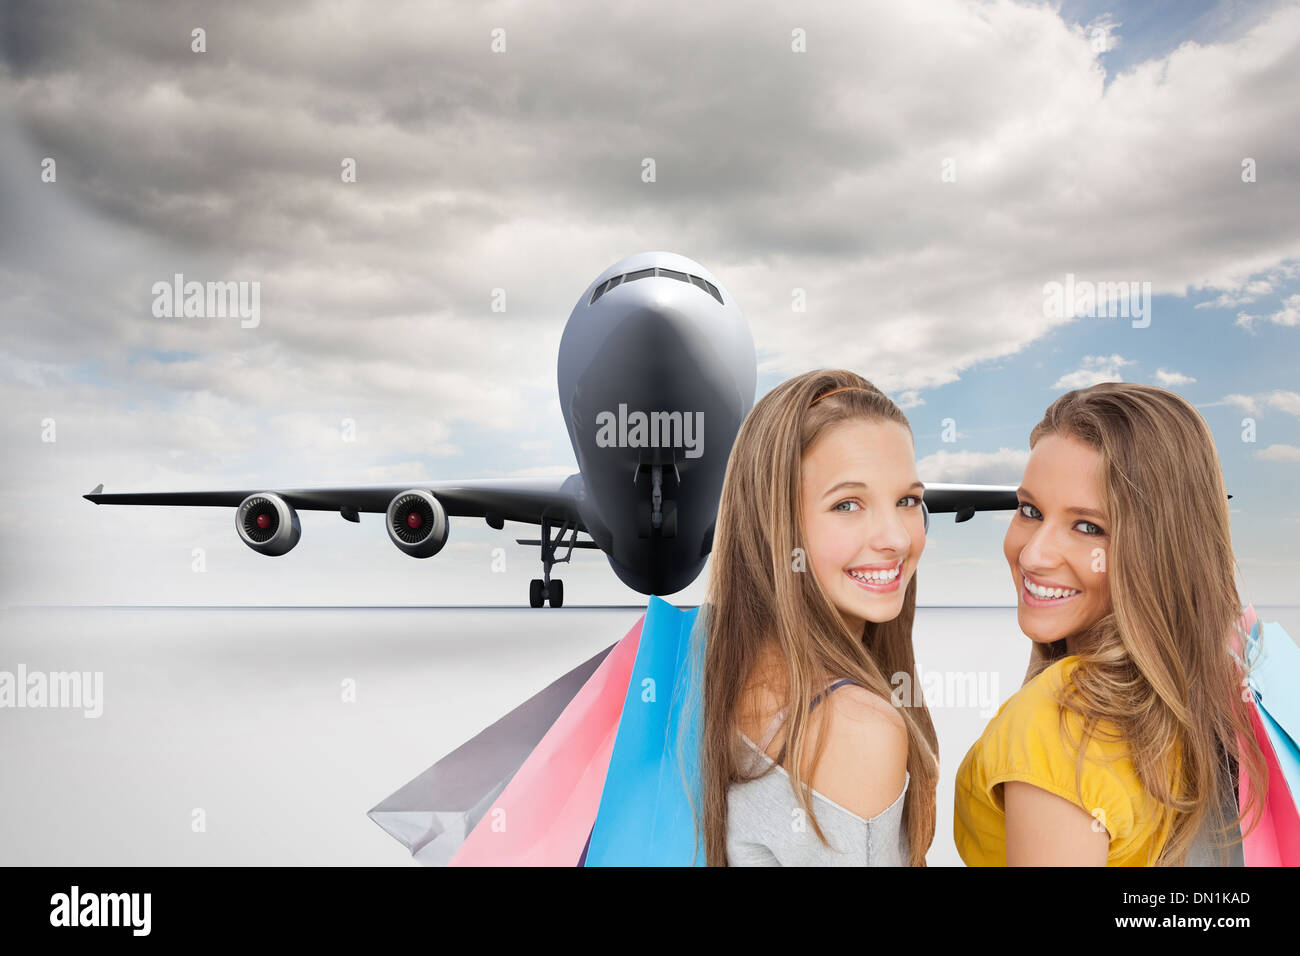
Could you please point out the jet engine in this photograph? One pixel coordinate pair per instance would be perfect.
(267, 524)
(417, 523)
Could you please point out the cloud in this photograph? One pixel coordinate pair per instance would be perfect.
(1001, 467)
(1095, 368)
(1246, 403)
(1289, 314)
(521, 171)
(1280, 399)
(480, 170)
(1170, 379)
(1103, 33)
(1279, 453)
(1242, 290)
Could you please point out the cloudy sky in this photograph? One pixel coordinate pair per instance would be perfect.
(920, 170)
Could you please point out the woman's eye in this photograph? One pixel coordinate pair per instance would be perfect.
(1083, 525)
(914, 499)
(1026, 505)
(849, 501)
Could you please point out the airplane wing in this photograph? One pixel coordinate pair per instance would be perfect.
(512, 499)
(528, 500)
(965, 500)
(415, 512)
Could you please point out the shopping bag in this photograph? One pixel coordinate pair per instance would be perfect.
(1274, 677)
(432, 814)
(652, 789)
(1275, 840)
(545, 813)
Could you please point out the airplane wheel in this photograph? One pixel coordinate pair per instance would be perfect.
(556, 592)
(535, 596)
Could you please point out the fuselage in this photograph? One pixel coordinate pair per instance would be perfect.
(656, 373)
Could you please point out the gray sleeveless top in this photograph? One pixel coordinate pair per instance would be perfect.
(766, 826)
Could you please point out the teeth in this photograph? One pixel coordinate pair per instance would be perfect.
(877, 577)
(1047, 594)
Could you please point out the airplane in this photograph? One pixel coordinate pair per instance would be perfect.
(655, 347)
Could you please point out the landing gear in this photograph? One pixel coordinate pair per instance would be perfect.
(543, 589)
(539, 590)
(657, 515)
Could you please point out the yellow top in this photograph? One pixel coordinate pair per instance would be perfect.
(1023, 741)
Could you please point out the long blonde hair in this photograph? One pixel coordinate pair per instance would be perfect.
(1160, 665)
(753, 596)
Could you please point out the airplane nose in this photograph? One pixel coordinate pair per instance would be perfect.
(658, 335)
(665, 342)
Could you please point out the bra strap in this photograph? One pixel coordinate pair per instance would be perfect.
(772, 728)
(775, 725)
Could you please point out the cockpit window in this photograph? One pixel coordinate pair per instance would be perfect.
(703, 284)
(707, 287)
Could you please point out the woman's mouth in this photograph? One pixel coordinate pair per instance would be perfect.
(1036, 595)
(879, 580)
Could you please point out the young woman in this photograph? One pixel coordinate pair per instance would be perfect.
(809, 612)
(1121, 747)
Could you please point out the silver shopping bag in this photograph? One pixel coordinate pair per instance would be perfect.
(432, 814)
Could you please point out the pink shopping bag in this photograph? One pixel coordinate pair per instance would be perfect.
(1276, 840)
(545, 814)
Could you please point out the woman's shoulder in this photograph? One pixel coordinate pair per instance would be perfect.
(1032, 731)
(864, 764)
(864, 714)
(862, 706)
(1044, 700)
(1039, 700)
(1035, 739)
(1054, 676)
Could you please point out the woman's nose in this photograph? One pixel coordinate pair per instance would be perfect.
(1040, 552)
(891, 534)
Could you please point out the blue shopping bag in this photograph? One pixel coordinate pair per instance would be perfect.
(1274, 675)
(653, 786)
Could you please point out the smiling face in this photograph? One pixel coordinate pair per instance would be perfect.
(872, 526)
(1057, 544)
